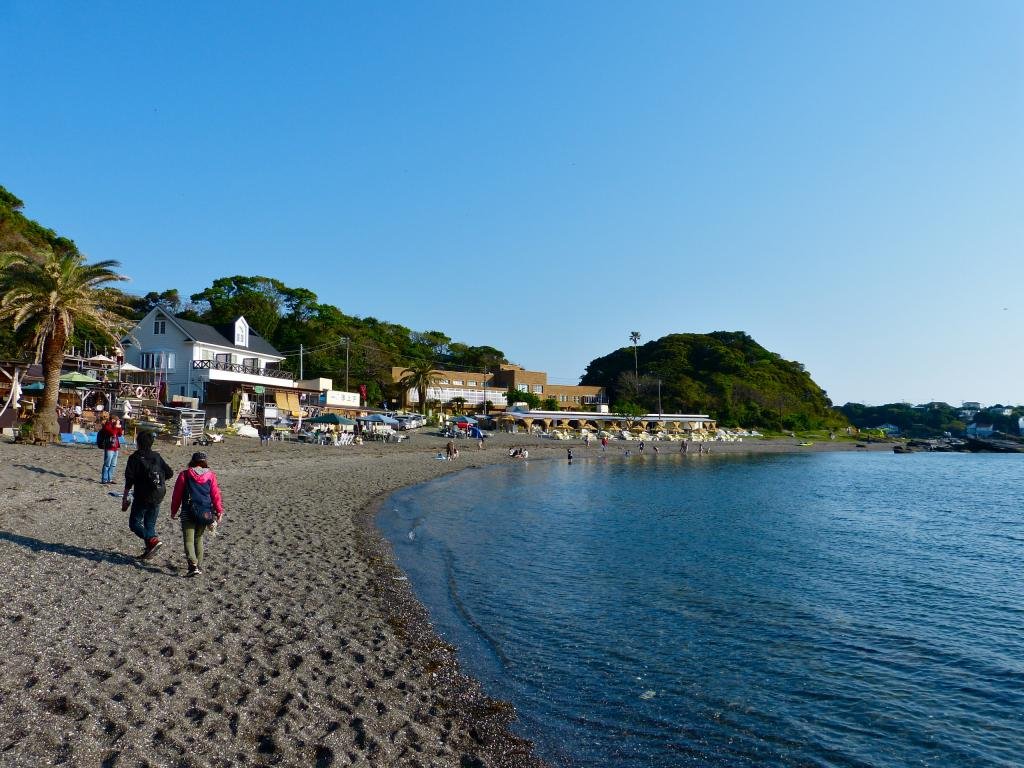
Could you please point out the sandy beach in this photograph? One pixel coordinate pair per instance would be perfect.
(300, 645)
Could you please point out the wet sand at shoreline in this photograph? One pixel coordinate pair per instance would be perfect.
(300, 644)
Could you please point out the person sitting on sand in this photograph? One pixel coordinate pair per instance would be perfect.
(147, 473)
(197, 495)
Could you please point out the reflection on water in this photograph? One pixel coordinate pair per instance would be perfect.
(826, 609)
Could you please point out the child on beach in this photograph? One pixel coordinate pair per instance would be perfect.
(197, 495)
(147, 473)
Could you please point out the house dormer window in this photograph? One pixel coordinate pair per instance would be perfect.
(159, 327)
(241, 333)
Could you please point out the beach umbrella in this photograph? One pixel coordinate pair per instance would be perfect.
(129, 368)
(463, 420)
(330, 418)
(100, 359)
(77, 380)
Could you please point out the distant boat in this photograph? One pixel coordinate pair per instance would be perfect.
(804, 445)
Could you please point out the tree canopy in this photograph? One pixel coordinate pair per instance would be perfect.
(725, 374)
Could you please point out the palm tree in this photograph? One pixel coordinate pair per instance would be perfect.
(634, 336)
(419, 376)
(50, 293)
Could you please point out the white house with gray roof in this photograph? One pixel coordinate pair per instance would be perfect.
(205, 361)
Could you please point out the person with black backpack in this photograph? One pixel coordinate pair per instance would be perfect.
(147, 473)
(197, 495)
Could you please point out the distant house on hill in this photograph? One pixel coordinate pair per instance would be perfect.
(889, 429)
(971, 405)
(1000, 410)
(980, 430)
(1020, 425)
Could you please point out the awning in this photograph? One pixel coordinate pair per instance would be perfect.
(330, 418)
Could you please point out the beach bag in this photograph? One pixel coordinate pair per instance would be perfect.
(103, 440)
(198, 501)
(151, 486)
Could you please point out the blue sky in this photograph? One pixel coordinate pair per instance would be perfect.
(846, 184)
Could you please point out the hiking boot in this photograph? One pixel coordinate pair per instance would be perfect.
(193, 570)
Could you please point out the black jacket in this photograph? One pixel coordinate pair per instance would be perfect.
(136, 470)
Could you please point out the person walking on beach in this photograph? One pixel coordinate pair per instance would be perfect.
(604, 444)
(197, 495)
(147, 473)
(450, 450)
(569, 452)
(108, 438)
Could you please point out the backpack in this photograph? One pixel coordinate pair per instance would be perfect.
(103, 440)
(150, 485)
(197, 501)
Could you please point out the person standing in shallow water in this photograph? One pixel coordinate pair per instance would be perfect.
(197, 495)
(147, 473)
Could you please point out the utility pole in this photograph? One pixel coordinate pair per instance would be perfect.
(346, 363)
(300, 362)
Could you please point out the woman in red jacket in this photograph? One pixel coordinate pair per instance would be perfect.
(197, 495)
(110, 437)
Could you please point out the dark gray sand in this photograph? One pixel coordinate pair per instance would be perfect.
(300, 645)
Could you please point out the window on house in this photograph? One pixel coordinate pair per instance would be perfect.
(252, 362)
(457, 382)
(471, 383)
(442, 381)
(522, 387)
(159, 327)
(241, 333)
(157, 361)
(222, 358)
(538, 389)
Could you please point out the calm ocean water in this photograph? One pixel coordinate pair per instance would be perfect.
(834, 609)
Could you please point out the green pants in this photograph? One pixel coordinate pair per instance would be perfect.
(192, 533)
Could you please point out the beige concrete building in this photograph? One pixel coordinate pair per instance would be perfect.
(478, 387)
(569, 396)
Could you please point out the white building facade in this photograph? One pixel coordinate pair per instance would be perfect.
(194, 359)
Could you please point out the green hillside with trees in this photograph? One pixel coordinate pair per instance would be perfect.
(289, 317)
(931, 419)
(725, 374)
